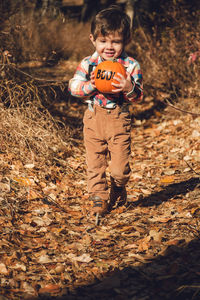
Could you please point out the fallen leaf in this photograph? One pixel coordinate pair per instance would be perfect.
(43, 259)
(19, 267)
(45, 221)
(127, 228)
(28, 288)
(99, 235)
(33, 195)
(143, 244)
(161, 219)
(29, 166)
(137, 257)
(145, 192)
(4, 187)
(50, 288)
(167, 179)
(84, 258)
(3, 269)
(130, 246)
(24, 181)
(59, 269)
(157, 236)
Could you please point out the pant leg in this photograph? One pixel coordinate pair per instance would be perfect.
(96, 153)
(119, 145)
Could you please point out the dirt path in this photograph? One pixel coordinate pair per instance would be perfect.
(148, 249)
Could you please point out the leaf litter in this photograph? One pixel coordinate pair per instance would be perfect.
(148, 249)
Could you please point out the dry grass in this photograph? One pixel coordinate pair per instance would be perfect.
(27, 128)
(35, 37)
(29, 134)
(166, 61)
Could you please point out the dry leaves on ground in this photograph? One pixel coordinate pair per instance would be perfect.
(148, 249)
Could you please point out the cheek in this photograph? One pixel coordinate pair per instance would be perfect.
(100, 48)
(118, 51)
(118, 48)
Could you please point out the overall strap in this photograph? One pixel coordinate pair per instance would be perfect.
(90, 69)
(90, 100)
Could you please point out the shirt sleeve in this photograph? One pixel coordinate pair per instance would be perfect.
(136, 76)
(79, 85)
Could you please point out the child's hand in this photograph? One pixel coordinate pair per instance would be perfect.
(123, 85)
(92, 79)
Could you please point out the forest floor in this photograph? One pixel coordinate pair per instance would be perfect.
(148, 249)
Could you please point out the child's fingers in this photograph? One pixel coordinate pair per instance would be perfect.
(117, 83)
(119, 77)
(92, 79)
(117, 87)
(115, 91)
(92, 75)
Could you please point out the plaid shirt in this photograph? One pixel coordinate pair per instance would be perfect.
(80, 85)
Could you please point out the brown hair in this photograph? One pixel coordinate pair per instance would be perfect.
(109, 20)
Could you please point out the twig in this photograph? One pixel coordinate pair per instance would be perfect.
(188, 286)
(34, 78)
(182, 110)
(51, 200)
(191, 167)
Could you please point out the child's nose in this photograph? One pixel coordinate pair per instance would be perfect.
(109, 45)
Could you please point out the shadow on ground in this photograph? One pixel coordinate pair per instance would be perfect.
(168, 192)
(146, 114)
(174, 275)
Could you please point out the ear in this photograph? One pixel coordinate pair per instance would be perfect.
(92, 40)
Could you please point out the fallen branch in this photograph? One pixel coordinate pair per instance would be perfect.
(191, 168)
(34, 78)
(182, 110)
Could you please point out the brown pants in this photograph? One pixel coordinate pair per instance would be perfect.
(106, 130)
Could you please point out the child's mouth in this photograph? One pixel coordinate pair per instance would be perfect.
(109, 54)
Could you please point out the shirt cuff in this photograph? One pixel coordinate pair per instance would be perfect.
(132, 92)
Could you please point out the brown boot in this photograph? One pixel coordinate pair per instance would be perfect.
(118, 195)
(99, 205)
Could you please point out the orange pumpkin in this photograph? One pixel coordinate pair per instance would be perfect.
(104, 74)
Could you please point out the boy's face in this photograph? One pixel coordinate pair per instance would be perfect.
(109, 46)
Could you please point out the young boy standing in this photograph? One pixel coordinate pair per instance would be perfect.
(107, 122)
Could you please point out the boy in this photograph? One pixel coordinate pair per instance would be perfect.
(107, 123)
